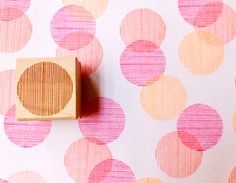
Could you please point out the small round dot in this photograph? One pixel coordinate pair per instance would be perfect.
(225, 26)
(12, 9)
(73, 27)
(26, 177)
(176, 159)
(202, 122)
(82, 156)
(89, 56)
(25, 133)
(111, 171)
(52, 83)
(165, 99)
(95, 7)
(200, 13)
(201, 53)
(143, 24)
(105, 124)
(232, 178)
(149, 180)
(12, 40)
(142, 63)
(8, 90)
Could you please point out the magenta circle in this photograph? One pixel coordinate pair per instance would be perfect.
(25, 133)
(73, 27)
(102, 120)
(142, 63)
(201, 122)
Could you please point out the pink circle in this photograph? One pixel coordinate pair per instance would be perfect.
(102, 120)
(200, 13)
(176, 159)
(111, 171)
(26, 177)
(143, 24)
(202, 122)
(3, 181)
(89, 56)
(82, 156)
(25, 133)
(73, 27)
(225, 26)
(232, 178)
(8, 90)
(12, 9)
(142, 63)
(12, 40)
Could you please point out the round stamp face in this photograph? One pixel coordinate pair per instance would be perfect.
(45, 88)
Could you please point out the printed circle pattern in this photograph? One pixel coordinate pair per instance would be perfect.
(26, 177)
(73, 27)
(232, 177)
(148, 180)
(142, 63)
(25, 133)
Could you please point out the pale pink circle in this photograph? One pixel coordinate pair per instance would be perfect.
(15, 34)
(102, 120)
(82, 156)
(11, 9)
(26, 177)
(25, 133)
(176, 159)
(3, 181)
(142, 63)
(200, 13)
(225, 26)
(8, 90)
(202, 122)
(89, 56)
(232, 177)
(143, 24)
(110, 171)
(73, 27)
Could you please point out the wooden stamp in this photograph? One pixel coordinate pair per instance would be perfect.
(47, 88)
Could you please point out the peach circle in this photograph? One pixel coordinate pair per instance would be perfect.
(200, 13)
(25, 133)
(82, 156)
(12, 40)
(26, 177)
(111, 171)
(232, 177)
(149, 180)
(225, 26)
(89, 56)
(203, 123)
(201, 52)
(176, 159)
(73, 27)
(142, 63)
(42, 85)
(105, 124)
(143, 24)
(234, 122)
(95, 7)
(8, 90)
(165, 99)
(12, 9)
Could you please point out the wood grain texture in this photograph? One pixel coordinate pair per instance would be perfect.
(47, 88)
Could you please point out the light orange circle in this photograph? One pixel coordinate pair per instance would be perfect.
(44, 88)
(96, 7)
(148, 180)
(143, 24)
(165, 99)
(201, 52)
(26, 177)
